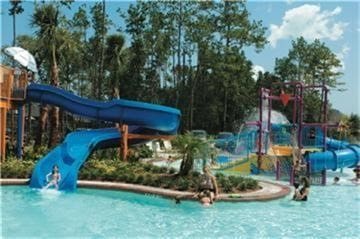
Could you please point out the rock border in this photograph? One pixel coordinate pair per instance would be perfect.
(269, 190)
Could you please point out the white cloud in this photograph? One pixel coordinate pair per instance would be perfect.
(310, 22)
(255, 70)
(341, 56)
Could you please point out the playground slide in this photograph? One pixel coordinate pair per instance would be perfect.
(340, 154)
(77, 146)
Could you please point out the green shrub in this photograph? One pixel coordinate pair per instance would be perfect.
(219, 175)
(156, 182)
(252, 184)
(144, 151)
(242, 186)
(163, 169)
(121, 177)
(148, 179)
(14, 168)
(225, 184)
(168, 182)
(139, 179)
(131, 177)
(183, 184)
(147, 167)
(195, 174)
(34, 154)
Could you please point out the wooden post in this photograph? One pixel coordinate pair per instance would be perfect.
(20, 131)
(124, 129)
(3, 112)
(125, 136)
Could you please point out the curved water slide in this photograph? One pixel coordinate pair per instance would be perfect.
(340, 154)
(142, 118)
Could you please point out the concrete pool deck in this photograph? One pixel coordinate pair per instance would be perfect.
(268, 191)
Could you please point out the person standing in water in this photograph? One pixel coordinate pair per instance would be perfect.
(356, 179)
(305, 189)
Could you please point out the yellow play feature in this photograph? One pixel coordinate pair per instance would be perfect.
(243, 165)
(280, 150)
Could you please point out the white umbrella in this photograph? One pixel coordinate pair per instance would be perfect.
(23, 57)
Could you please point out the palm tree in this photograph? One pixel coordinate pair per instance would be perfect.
(190, 148)
(13, 11)
(46, 20)
(115, 61)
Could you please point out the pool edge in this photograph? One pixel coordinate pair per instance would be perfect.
(263, 194)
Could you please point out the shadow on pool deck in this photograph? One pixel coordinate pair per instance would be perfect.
(268, 191)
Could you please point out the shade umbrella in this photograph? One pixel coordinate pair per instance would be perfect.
(23, 57)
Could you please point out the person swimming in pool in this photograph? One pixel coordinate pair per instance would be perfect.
(53, 178)
(205, 198)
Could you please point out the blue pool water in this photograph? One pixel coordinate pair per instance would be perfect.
(331, 212)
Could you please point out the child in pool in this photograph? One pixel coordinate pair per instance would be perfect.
(205, 198)
(55, 178)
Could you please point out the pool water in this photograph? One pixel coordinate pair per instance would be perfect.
(331, 212)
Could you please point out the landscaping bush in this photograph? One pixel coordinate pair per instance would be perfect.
(138, 153)
(172, 170)
(34, 154)
(139, 179)
(168, 182)
(138, 173)
(183, 184)
(131, 178)
(225, 185)
(148, 179)
(15, 168)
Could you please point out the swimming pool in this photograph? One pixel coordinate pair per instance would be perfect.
(331, 212)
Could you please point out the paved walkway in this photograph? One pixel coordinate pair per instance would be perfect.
(268, 191)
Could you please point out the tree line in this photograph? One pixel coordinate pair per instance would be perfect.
(185, 54)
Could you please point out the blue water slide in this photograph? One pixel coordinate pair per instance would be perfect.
(72, 153)
(160, 118)
(340, 154)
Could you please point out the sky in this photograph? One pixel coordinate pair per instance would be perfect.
(336, 23)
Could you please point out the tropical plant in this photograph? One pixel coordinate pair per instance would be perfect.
(115, 60)
(15, 9)
(190, 147)
(46, 20)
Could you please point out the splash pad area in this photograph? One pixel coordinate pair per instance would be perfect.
(271, 144)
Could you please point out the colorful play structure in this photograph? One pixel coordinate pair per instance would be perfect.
(138, 122)
(287, 148)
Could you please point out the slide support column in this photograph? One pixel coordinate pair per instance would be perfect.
(20, 131)
(278, 170)
(292, 175)
(3, 112)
